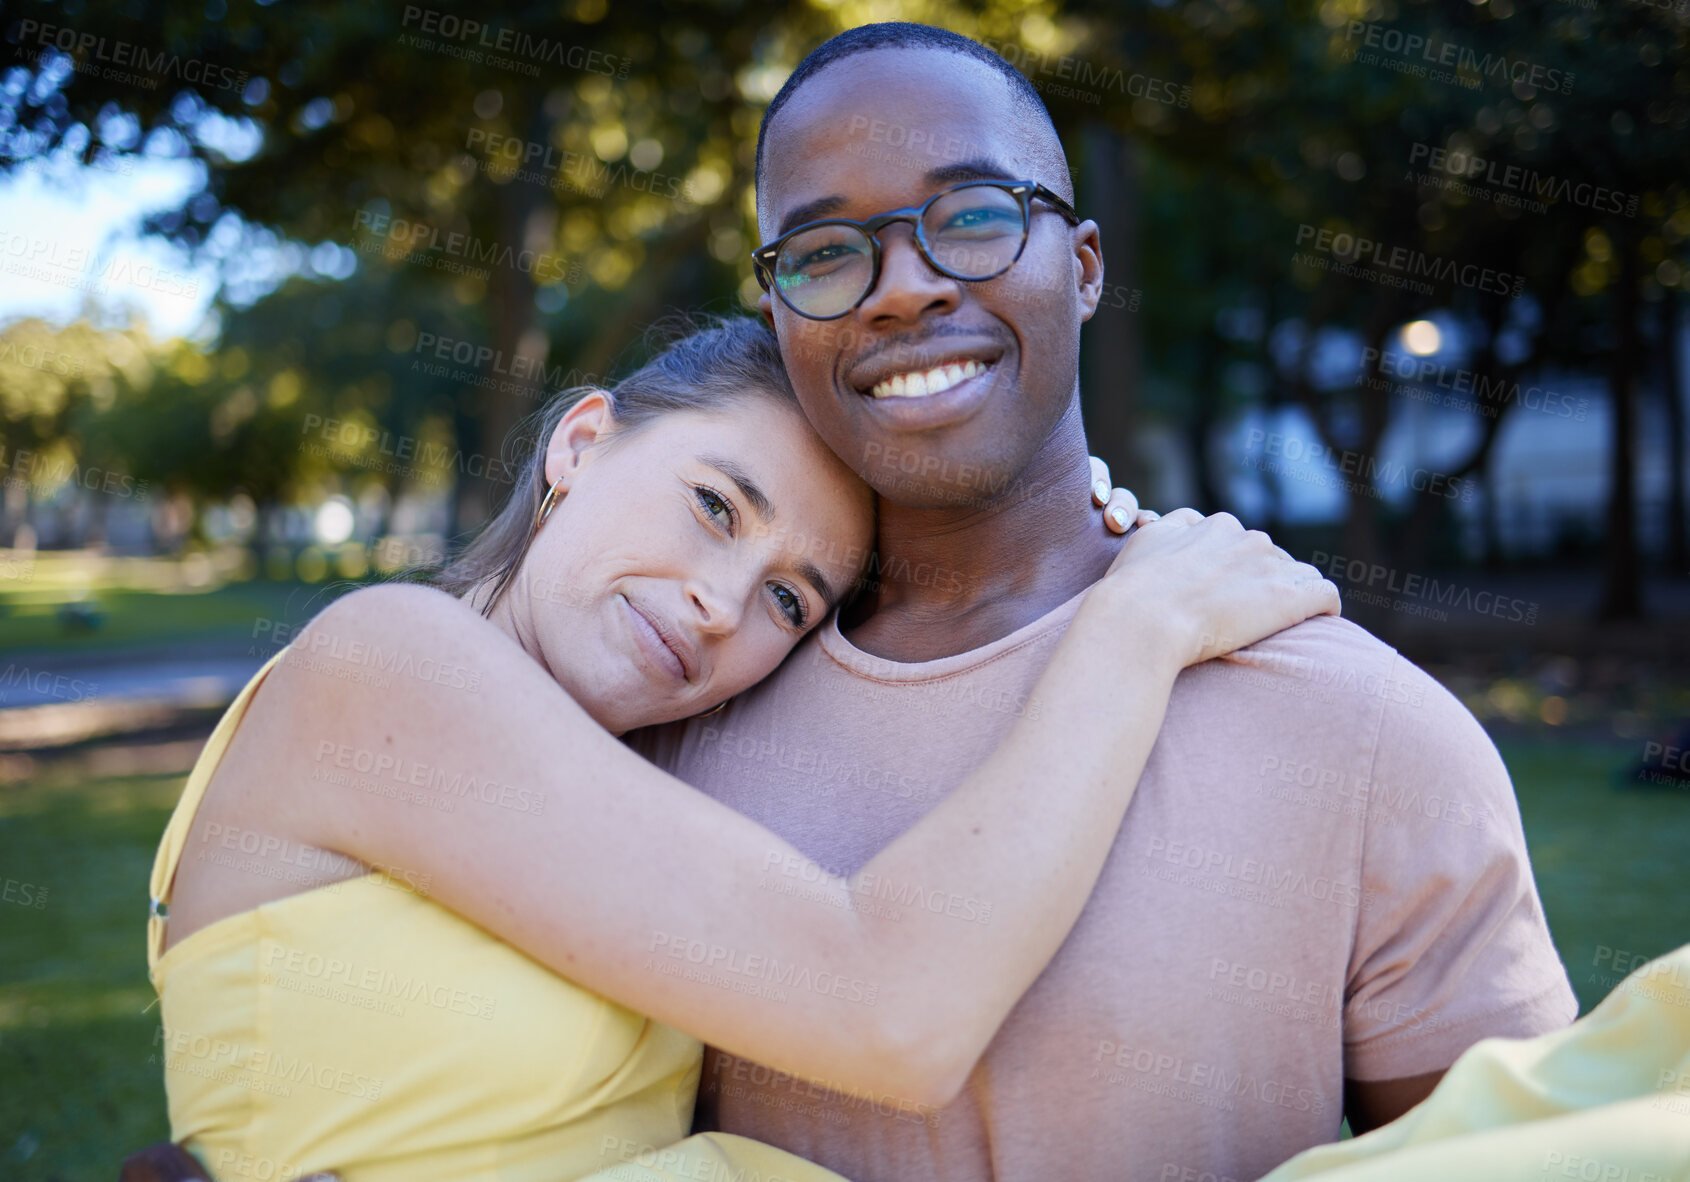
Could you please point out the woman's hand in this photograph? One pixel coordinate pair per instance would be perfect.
(1120, 507)
(1216, 586)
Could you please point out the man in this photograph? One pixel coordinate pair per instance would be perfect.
(1321, 894)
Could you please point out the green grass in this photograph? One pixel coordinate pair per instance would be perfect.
(227, 615)
(75, 1040)
(81, 1088)
(146, 601)
(1610, 862)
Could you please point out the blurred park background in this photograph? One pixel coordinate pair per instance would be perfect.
(1401, 281)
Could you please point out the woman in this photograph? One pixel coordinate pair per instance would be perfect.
(428, 918)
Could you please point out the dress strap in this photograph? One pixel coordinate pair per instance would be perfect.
(176, 832)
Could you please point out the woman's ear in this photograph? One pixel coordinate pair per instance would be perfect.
(570, 448)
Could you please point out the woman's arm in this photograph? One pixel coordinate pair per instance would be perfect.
(624, 864)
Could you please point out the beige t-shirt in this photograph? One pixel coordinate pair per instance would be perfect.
(1322, 874)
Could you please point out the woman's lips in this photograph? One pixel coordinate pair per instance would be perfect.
(652, 643)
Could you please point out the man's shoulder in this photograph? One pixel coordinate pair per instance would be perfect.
(1320, 638)
(1326, 663)
(1327, 684)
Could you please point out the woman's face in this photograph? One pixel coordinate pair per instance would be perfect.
(687, 556)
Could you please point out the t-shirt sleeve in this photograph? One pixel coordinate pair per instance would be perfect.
(1451, 943)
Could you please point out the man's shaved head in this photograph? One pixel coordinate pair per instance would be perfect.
(1035, 119)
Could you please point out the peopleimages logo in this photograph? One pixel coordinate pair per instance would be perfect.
(36, 357)
(1356, 471)
(763, 968)
(1489, 394)
(399, 237)
(1197, 1081)
(1434, 50)
(473, 41)
(1359, 573)
(92, 48)
(1089, 75)
(1514, 179)
(1409, 261)
(536, 162)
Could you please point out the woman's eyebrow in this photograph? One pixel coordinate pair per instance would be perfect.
(742, 480)
(812, 574)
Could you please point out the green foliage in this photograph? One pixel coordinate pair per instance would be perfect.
(610, 146)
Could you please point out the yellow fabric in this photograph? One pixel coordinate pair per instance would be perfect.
(709, 1157)
(1606, 1100)
(361, 1028)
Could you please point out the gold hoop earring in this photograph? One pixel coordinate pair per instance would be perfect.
(554, 494)
(716, 709)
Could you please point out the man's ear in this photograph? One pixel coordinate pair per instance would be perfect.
(570, 448)
(1088, 256)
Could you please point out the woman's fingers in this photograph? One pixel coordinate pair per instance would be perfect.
(1225, 585)
(1319, 596)
(1121, 512)
(1322, 591)
(1119, 505)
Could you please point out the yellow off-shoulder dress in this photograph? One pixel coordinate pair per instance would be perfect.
(361, 1028)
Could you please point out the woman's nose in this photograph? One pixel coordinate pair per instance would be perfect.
(717, 608)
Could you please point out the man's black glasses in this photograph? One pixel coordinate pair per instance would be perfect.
(973, 231)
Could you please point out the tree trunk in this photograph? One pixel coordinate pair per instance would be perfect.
(1427, 508)
(667, 279)
(1204, 401)
(1361, 517)
(1622, 590)
(1113, 357)
(527, 222)
(1672, 388)
(1495, 559)
(1273, 516)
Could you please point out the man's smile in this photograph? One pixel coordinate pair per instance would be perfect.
(940, 360)
(919, 384)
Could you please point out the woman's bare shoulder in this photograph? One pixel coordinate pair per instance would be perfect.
(410, 617)
(384, 604)
(391, 638)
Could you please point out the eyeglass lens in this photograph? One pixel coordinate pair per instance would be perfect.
(970, 233)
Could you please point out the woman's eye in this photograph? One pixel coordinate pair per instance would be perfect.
(715, 505)
(790, 602)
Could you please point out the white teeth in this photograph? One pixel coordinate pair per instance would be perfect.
(932, 381)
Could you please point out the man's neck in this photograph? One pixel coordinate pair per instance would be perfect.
(955, 579)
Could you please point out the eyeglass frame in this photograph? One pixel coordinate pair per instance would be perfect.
(763, 258)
